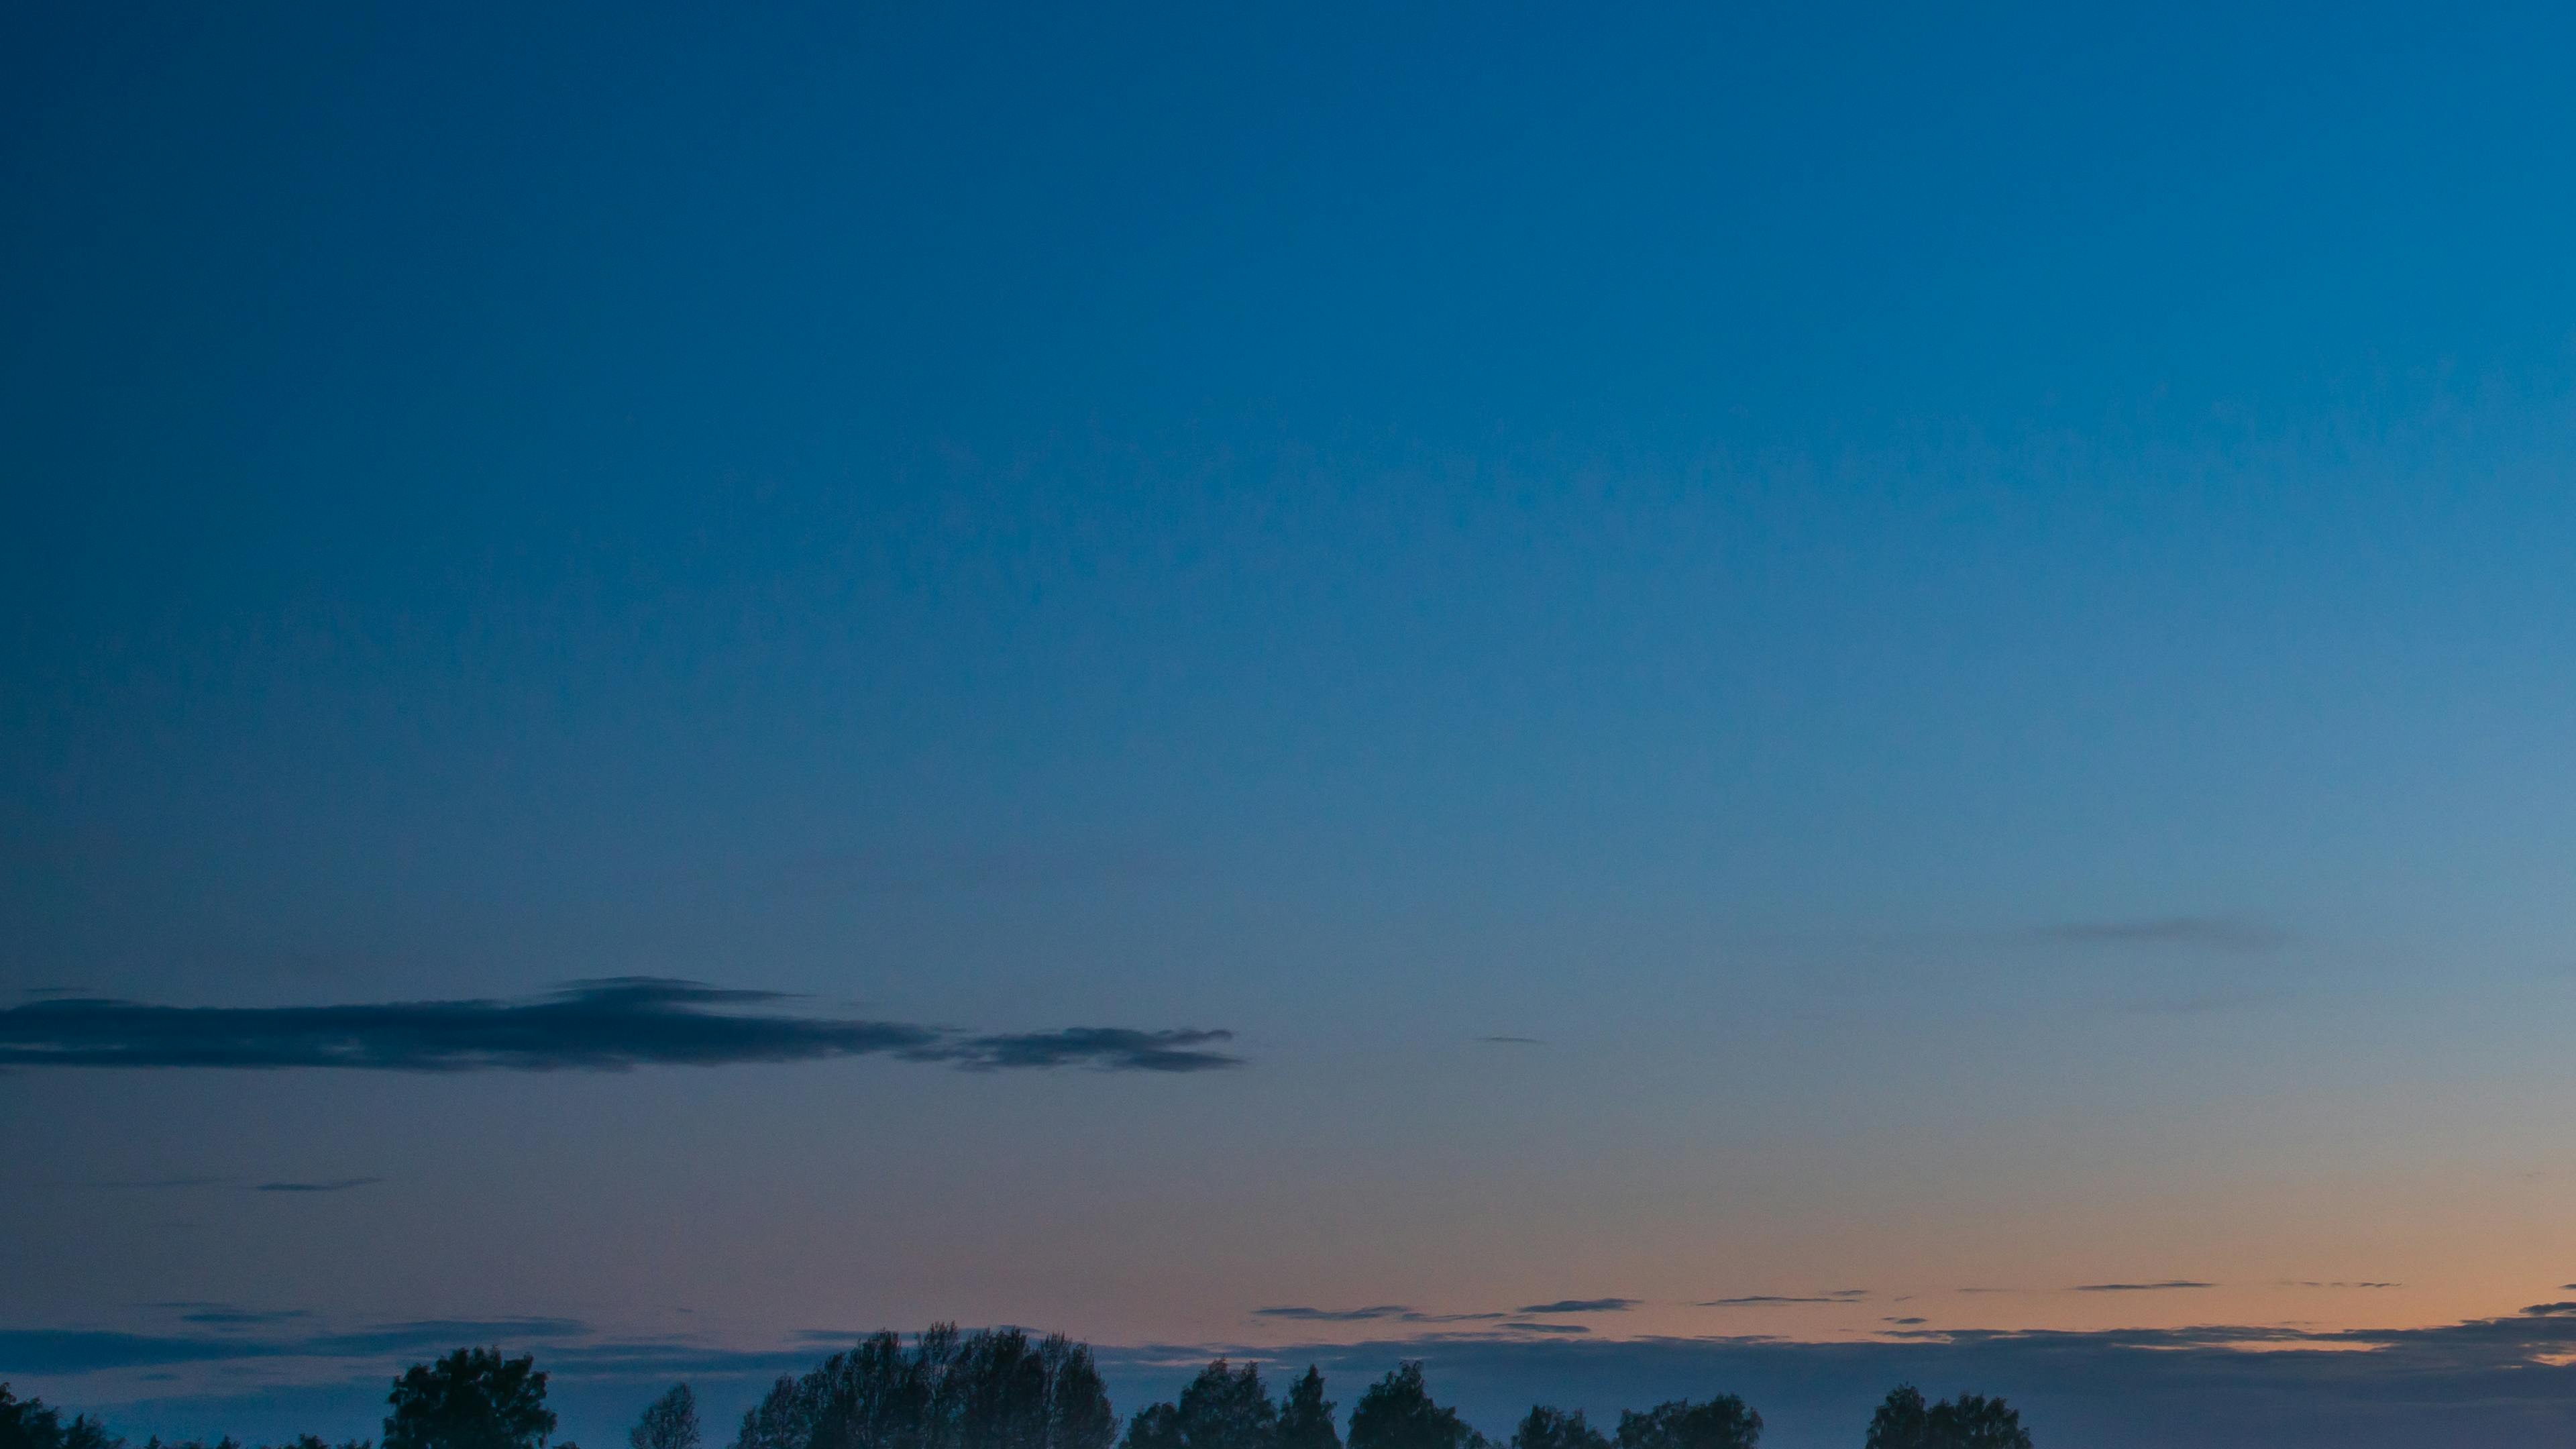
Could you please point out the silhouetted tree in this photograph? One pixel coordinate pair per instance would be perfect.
(1078, 1412)
(32, 1424)
(989, 1390)
(1155, 1426)
(1970, 1421)
(1547, 1428)
(1720, 1423)
(669, 1422)
(1397, 1413)
(1903, 1421)
(1219, 1409)
(471, 1399)
(1306, 1420)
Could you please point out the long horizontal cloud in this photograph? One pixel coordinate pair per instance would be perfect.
(1580, 1305)
(2486, 1381)
(613, 1025)
(2502, 1380)
(2164, 1286)
(50, 1351)
(1768, 1300)
(1303, 1314)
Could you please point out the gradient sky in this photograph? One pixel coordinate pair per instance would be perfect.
(1790, 654)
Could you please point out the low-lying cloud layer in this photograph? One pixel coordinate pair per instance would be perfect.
(1771, 1300)
(601, 1026)
(2503, 1380)
(1301, 1313)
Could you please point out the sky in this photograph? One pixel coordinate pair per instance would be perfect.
(1682, 700)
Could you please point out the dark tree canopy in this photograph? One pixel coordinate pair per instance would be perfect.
(1720, 1423)
(471, 1399)
(30, 1424)
(986, 1390)
(1547, 1428)
(1397, 1413)
(1970, 1421)
(1222, 1408)
(669, 1422)
(1306, 1420)
(1156, 1426)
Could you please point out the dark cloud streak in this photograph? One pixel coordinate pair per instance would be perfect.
(606, 1026)
(1769, 1300)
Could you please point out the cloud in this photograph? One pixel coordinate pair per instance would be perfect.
(1520, 1327)
(611, 1025)
(2167, 1285)
(1906, 1322)
(2489, 1381)
(2503, 1380)
(1511, 1041)
(1108, 1048)
(72, 1351)
(2203, 932)
(337, 1184)
(1581, 1305)
(1337, 1315)
(430, 1333)
(1766, 1300)
(217, 1315)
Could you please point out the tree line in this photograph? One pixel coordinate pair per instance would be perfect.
(1002, 1389)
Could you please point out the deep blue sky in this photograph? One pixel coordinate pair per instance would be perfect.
(1964, 613)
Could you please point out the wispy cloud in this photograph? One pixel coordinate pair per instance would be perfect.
(71, 1351)
(1511, 1041)
(336, 1184)
(1519, 1326)
(216, 1315)
(1110, 1048)
(612, 1025)
(1768, 1300)
(2214, 933)
(1333, 1315)
(2160, 1287)
(1581, 1305)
